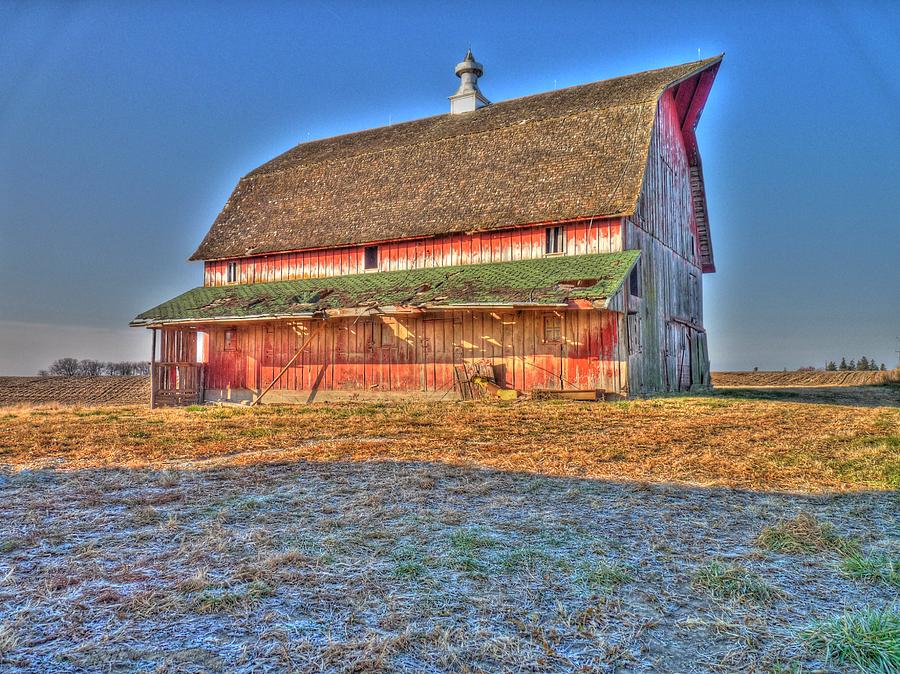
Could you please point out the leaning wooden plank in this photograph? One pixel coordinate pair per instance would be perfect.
(462, 382)
(290, 362)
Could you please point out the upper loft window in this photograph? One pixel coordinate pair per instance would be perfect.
(554, 241)
(370, 258)
(231, 275)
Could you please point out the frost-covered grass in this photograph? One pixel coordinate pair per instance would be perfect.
(336, 541)
(805, 534)
(874, 568)
(733, 581)
(867, 639)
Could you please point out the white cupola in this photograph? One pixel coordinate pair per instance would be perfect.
(468, 97)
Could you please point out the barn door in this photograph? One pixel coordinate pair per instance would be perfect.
(687, 353)
(681, 356)
(635, 354)
(671, 356)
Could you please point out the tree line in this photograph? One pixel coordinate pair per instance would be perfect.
(72, 367)
(862, 365)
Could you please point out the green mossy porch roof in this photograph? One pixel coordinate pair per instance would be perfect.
(544, 281)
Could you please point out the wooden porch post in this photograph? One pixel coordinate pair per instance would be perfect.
(153, 369)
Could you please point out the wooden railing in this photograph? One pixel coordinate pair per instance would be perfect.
(174, 384)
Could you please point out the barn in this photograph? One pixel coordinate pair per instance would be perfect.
(551, 243)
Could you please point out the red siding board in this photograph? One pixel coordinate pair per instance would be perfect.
(582, 237)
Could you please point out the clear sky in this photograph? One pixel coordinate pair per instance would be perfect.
(124, 127)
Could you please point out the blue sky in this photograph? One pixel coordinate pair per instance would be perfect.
(124, 127)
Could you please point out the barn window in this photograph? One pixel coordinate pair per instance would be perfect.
(231, 275)
(552, 329)
(230, 343)
(634, 281)
(371, 257)
(554, 241)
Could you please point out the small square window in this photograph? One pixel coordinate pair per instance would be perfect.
(554, 241)
(231, 275)
(371, 257)
(230, 343)
(552, 329)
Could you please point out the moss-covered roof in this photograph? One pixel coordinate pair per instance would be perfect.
(544, 281)
(560, 155)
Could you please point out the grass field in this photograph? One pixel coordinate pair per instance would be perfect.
(739, 531)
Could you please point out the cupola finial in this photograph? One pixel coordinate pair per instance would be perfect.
(468, 97)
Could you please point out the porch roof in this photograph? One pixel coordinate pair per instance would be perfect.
(540, 282)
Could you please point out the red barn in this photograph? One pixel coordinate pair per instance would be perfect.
(555, 241)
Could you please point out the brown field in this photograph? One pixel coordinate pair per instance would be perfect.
(799, 378)
(682, 534)
(74, 390)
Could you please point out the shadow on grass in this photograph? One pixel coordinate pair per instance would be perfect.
(408, 566)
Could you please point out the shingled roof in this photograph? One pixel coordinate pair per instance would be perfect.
(569, 153)
(525, 283)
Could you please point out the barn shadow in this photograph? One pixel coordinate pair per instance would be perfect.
(321, 535)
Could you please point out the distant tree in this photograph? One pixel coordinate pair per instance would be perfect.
(831, 367)
(64, 367)
(852, 365)
(883, 368)
(90, 368)
(126, 368)
(142, 367)
(807, 368)
(843, 365)
(112, 369)
(863, 364)
(43, 373)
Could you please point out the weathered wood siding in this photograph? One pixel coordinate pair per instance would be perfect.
(418, 352)
(582, 237)
(667, 343)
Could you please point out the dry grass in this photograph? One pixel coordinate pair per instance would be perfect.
(462, 537)
(805, 534)
(712, 440)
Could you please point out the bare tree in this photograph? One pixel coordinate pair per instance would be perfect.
(64, 367)
(112, 369)
(126, 368)
(142, 367)
(71, 367)
(90, 368)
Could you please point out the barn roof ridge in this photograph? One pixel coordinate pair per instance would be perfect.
(651, 97)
